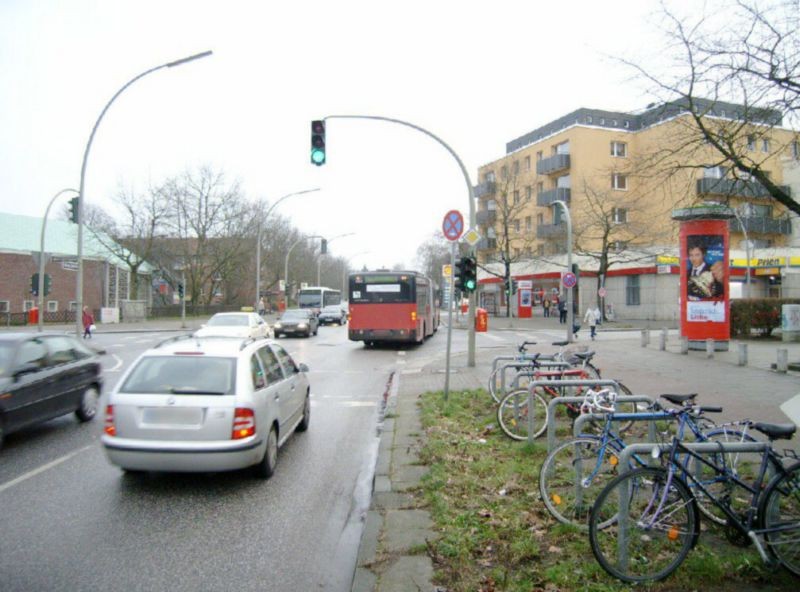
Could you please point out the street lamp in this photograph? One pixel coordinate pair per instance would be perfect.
(81, 195)
(745, 210)
(41, 257)
(319, 260)
(570, 312)
(258, 247)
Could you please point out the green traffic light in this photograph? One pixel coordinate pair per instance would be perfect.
(318, 156)
(469, 285)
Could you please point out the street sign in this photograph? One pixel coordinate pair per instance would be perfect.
(601, 292)
(569, 280)
(453, 225)
(447, 270)
(471, 237)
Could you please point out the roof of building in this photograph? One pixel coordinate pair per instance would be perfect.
(22, 234)
(652, 115)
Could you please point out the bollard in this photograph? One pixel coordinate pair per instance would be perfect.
(645, 337)
(710, 347)
(743, 354)
(662, 344)
(684, 345)
(783, 360)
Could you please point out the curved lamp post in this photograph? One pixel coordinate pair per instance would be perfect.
(258, 246)
(41, 255)
(79, 286)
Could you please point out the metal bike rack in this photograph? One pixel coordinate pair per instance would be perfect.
(624, 462)
(650, 416)
(521, 365)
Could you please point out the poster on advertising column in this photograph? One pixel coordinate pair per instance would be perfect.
(704, 278)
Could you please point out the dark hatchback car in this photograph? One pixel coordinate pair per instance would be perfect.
(43, 376)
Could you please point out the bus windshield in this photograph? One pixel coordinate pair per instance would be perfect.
(381, 288)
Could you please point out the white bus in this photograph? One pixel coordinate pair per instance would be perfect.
(317, 297)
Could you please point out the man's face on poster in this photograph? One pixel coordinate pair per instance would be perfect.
(696, 256)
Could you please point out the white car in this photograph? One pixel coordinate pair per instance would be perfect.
(235, 324)
(205, 405)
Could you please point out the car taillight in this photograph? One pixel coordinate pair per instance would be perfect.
(109, 427)
(244, 423)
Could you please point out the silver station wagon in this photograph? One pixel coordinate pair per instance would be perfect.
(206, 404)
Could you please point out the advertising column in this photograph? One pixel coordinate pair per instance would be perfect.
(525, 295)
(704, 298)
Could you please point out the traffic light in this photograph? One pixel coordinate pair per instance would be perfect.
(323, 247)
(318, 142)
(458, 274)
(35, 284)
(514, 286)
(47, 281)
(180, 290)
(469, 273)
(73, 209)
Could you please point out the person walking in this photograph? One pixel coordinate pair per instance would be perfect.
(262, 306)
(546, 306)
(590, 318)
(88, 323)
(562, 311)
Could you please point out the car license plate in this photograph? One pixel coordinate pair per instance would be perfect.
(172, 416)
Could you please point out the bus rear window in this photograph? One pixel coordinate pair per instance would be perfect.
(383, 291)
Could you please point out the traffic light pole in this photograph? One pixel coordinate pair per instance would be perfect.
(41, 257)
(450, 302)
(570, 294)
(472, 296)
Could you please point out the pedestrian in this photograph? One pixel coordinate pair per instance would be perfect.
(546, 306)
(88, 323)
(262, 306)
(591, 319)
(562, 312)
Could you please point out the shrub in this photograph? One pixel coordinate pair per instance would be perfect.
(757, 315)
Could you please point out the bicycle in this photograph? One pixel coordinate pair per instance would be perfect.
(575, 472)
(645, 522)
(525, 361)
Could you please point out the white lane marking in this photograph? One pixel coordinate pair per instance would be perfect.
(492, 337)
(117, 366)
(43, 468)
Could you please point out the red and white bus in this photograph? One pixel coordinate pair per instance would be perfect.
(392, 306)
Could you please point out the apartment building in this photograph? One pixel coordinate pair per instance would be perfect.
(621, 175)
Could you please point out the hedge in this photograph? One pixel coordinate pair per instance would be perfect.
(758, 316)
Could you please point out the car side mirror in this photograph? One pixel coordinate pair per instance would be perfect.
(302, 367)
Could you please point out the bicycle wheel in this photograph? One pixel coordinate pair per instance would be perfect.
(516, 420)
(494, 384)
(779, 516)
(744, 465)
(651, 525)
(573, 475)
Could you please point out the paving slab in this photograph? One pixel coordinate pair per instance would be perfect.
(406, 529)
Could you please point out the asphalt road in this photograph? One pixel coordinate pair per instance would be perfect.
(71, 521)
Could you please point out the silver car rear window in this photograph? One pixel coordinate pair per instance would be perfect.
(182, 375)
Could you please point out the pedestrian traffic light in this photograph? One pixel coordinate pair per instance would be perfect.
(469, 273)
(323, 247)
(73, 209)
(318, 142)
(180, 290)
(35, 284)
(47, 280)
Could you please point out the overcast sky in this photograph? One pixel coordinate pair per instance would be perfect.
(477, 74)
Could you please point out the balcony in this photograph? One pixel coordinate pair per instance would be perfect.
(762, 225)
(486, 217)
(486, 244)
(552, 164)
(551, 230)
(485, 188)
(733, 187)
(546, 198)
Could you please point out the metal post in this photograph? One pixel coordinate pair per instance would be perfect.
(183, 298)
(684, 345)
(783, 361)
(570, 295)
(662, 343)
(472, 222)
(41, 258)
(742, 354)
(81, 194)
(710, 347)
(450, 320)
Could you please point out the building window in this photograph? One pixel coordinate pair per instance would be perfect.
(504, 172)
(516, 225)
(765, 145)
(4, 306)
(515, 168)
(796, 150)
(27, 305)
(539, 155)
(714, 172)
(589, 119)
(489, 178)
(562, 148)
(627, 124)
(528, 226)
(516, 197)
(52, 306)
(491, 205)
(528, 193)
(73, 306)
(539, 188)
(539, 219)
(619, 246)
(632, 290)
(619, 149)
(527, 163)
(619, 181)
(620, 215)
(751, 142)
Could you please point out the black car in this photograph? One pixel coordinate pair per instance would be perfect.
(45, 375)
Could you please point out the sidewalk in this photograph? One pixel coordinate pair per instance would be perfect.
(393, 557)
(147, 326)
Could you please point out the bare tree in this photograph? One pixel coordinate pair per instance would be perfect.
(737, 75)
(432, 255)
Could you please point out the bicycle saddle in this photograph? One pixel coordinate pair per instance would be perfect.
(776, 431)
(679, 399)
(560, 343)
(587, 355)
